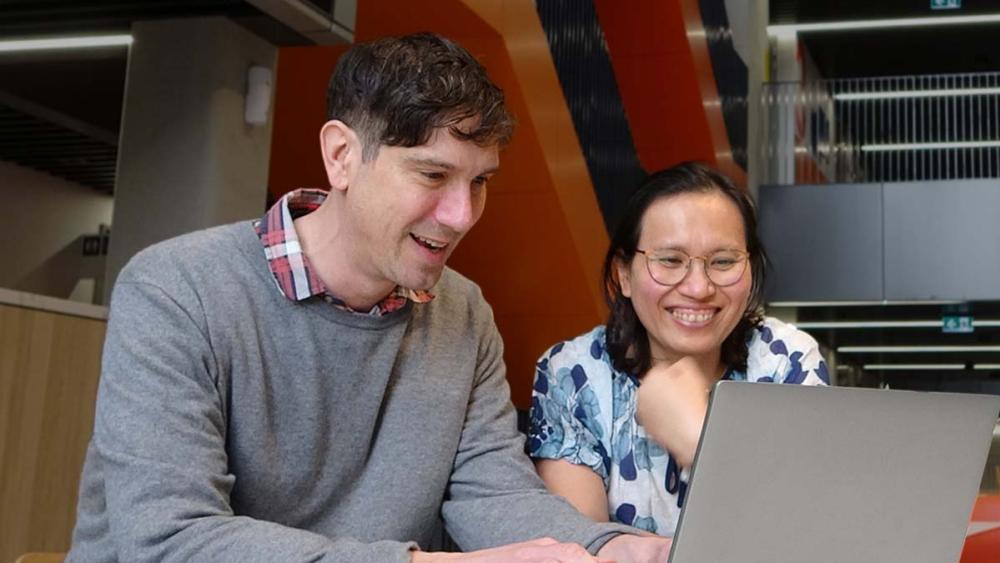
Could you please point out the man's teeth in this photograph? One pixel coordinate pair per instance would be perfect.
(430, 243)
(693, 317)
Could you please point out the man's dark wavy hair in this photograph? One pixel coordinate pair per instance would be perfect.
(626, 339)
(396, 91)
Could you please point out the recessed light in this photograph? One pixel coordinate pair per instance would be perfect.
(856, 303)
(42, 44)
(819, 325)
(899, 94)
(930, 146)
(914, 349)
(789, 30)
(912, 367)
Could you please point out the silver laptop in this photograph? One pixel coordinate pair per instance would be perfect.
(791, 473)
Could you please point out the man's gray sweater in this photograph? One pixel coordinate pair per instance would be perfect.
(234, 424)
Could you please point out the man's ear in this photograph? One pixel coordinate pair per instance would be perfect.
(624, 277)
(341, 153)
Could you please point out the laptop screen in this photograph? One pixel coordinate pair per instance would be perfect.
(790, 473)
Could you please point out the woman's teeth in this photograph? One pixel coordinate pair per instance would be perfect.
(693, 317)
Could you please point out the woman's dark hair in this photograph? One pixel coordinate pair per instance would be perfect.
(395, 91)
(627, 341)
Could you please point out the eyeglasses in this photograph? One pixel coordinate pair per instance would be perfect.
(669, 267)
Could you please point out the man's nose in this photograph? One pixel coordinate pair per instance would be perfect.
(455, 209)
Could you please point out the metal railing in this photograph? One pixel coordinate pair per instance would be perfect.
(885, 129)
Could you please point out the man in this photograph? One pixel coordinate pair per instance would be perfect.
(317, 386)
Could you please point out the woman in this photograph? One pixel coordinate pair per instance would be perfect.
(617, 412)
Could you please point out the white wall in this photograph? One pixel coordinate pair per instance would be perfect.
(43, 216)
(748, 21)
(186, 158)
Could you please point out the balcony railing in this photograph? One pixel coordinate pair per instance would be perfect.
(885, 129)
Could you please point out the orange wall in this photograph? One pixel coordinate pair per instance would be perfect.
(537, 250)
(299, 112)
(665, 78)
(984, 547)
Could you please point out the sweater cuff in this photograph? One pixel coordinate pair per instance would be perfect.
(605, 532)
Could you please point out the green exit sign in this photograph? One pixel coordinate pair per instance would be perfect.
(946, 4)
(956, 323)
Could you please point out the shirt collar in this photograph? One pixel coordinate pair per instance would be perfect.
(290, 267)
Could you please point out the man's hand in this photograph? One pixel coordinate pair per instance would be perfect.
(543, 550)
(671, 405)
(637, 549)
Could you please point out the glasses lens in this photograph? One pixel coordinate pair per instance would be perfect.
(725, 268)
(667, 267)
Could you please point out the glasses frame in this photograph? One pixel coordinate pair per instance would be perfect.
(704, 265)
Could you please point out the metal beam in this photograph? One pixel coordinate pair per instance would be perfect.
(306, 19)
(58, 118)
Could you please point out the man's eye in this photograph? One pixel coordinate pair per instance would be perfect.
(479, 181)
(434, 176)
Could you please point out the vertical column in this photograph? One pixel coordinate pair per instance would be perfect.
(749, 26)
(187, 159)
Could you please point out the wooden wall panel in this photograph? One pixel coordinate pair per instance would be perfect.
(49, 368)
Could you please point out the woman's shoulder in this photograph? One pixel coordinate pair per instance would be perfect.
(782, 338)
(587, 345)
(779, 351)
(584, 357)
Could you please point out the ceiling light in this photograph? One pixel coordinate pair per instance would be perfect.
(785, 30)
(913, 349)
(930, 146)
(817, 325)
(986, 366)
(912, 367)
(10, 46)
(867, 324)
(856, 303)
(940, 93)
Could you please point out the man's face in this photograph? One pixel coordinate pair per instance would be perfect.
(410, 206)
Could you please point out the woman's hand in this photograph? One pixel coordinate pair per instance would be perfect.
(671, 405)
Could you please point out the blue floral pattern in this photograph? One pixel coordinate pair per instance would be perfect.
(583, 411)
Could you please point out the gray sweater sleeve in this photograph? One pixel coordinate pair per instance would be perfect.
(495, 497)
(160, 435)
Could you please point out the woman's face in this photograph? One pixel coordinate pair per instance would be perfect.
(693, 317)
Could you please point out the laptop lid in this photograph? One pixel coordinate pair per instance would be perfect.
(792, 473)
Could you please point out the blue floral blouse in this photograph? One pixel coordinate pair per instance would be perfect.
(583, 411)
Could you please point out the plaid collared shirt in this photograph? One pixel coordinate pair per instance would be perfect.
(295, 278)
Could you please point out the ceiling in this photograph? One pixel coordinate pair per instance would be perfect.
(72, 136)
(895, 51)
(60, 111)
(98, 76)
